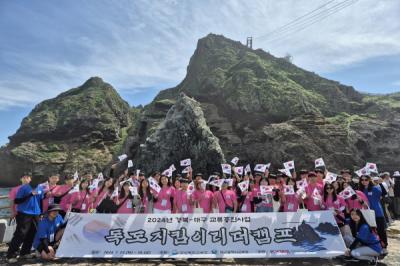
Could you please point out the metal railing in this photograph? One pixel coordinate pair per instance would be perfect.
(4, 207)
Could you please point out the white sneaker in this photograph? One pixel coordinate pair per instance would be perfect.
(12, 260)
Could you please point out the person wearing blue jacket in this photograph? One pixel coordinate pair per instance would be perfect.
(366, 244)
(374, 193)
(49, 233)
(28, 211)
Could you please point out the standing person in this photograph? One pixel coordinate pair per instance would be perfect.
(49, 233)
(366, 245)
(246, 196)
(145, 204)
(314, 192)
(28, 210)
(396, 191)
(320, 175)
(334, 202)
(63, 195)
(104, 193)
(263, 203)
(225, 199)
(374, 193)
(389, 200)
(13, 194)
(124, 199)
(290, 202)
(358, 201)
(202, 197)
(164, 198)
(80, 200)
(49, 193)
(183, 202)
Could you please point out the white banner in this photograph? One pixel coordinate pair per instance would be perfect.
(243, 235)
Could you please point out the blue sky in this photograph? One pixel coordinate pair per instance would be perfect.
(141, 47)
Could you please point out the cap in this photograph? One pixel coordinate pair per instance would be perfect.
(303, 171)
(319, 170)
(184, 180)
(273, 176)
(54, 207)
(199, 174)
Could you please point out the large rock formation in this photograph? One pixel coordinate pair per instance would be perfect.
(182, 134)
(79, 130)
(265, 109)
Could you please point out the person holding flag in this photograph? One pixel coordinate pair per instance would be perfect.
(164, 198)
(80, 200)
(101, 197)
(183, 202)
(225, 199)
(146, 198)
(124, 200)
(290, 200)
(334, 202)
(314, 192)
(50, 189)
(64, 196)
(374, 193)
(202, 197)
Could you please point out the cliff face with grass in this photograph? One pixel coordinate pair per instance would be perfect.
(81, 129)
(234, 101)
(265, 109)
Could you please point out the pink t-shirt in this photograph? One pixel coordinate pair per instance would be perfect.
(49, 199)
(338, 204)
(126, 205)
(290, 203)
(355, 203)
(183, 202)
(164, 198)
(312, 204)
(12, 195)
(205, 198)
(266, 200)
(145, 202)
(230, 197)
(246, 205)
(65, 202)
(81, 200)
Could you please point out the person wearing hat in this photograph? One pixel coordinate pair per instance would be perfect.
(28, 202)
(183, 202)
(198, 177)
(225, 199)
(303, 174)
(49, 233)
(396, 192)
(314, 191)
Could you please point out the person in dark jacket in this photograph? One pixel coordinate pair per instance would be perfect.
(28, 211)
(396, 190)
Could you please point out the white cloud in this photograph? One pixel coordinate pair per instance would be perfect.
(140, 44)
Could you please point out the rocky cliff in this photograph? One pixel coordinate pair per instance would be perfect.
(79, 130)
(234, 101)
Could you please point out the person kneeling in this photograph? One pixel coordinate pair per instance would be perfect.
(49, 233)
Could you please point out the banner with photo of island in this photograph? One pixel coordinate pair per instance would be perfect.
(241, 235)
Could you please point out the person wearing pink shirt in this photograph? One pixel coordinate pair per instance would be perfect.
(124, 199)
(49, 196)
(225, 199)
(63, 196)
(80, 200)
(183, 202)
(358, 201)
(334, 202)
(13, 194)
(164, 197)
(203, 198)
(246, 198)
(146, 199)
(290, 202)
(320, 175)
(104, 192)
(313, 202)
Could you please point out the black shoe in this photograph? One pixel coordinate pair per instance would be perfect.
(351, 259)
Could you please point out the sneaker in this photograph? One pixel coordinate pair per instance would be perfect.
(27, 256)
(374, 261)
(12, 260)
(351, 259)
(384, 251)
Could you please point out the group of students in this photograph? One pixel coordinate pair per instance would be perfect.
(37, 210)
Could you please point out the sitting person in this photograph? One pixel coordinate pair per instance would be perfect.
(49, 233)
(366, 244)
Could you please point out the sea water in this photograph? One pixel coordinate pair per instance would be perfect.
(5, 202)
